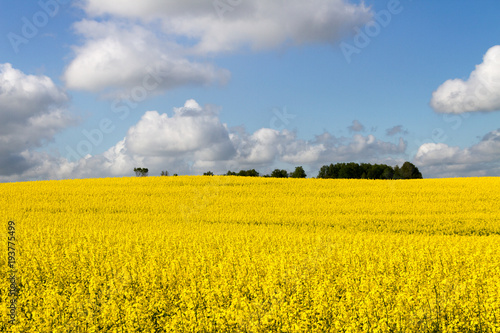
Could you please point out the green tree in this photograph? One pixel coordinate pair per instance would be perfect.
(248, 173)
(277, 173)
(376, 171)
(388, 173)
(350, 171)
(410, 171)
(164, 173)
(298, 173)
(365, 167)
(208, 173)
(141, 172)
(323, 172)
(252, 173)
(397, 173)
(330, 171)
(369, 171)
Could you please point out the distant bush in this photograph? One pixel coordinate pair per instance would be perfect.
(141, 172)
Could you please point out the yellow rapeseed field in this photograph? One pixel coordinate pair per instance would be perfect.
(237, 254)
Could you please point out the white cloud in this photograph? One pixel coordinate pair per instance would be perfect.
(196, 136)
(155, 44)
(260, 24)
(24, 95)
(302, 152)
(129, 44)
(191, 129)
(127, 56)
(126, 38)
(259, 148)
(32, 111)
(193, 140)
(480, 92)
(146, 9)
(481, 159)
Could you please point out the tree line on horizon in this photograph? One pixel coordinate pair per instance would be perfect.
(333, 171)
(369, 171)
(277, 173)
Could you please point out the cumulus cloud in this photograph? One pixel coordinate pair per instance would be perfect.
(260, 24)
(21, 95)
(32, 111)
(124, 56)
(123, 39)
(146, 9)
(480, 92)
(260, 148)
(194, 140)
(481, 159)
(192, 129)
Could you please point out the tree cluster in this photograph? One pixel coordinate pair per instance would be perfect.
(339, 170)
(277, 173)
(369, 171)
(141, 172)
(298, 173)
(244, 173)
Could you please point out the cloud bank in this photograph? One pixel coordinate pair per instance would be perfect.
(122, 39)
(481, 159)
(220, 26)
(194, 140)
(32, 111)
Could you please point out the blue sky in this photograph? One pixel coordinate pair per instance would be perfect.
(95, 88)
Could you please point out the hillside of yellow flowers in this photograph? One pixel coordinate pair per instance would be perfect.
(238, 254)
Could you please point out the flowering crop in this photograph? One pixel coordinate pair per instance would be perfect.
(237, 254)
